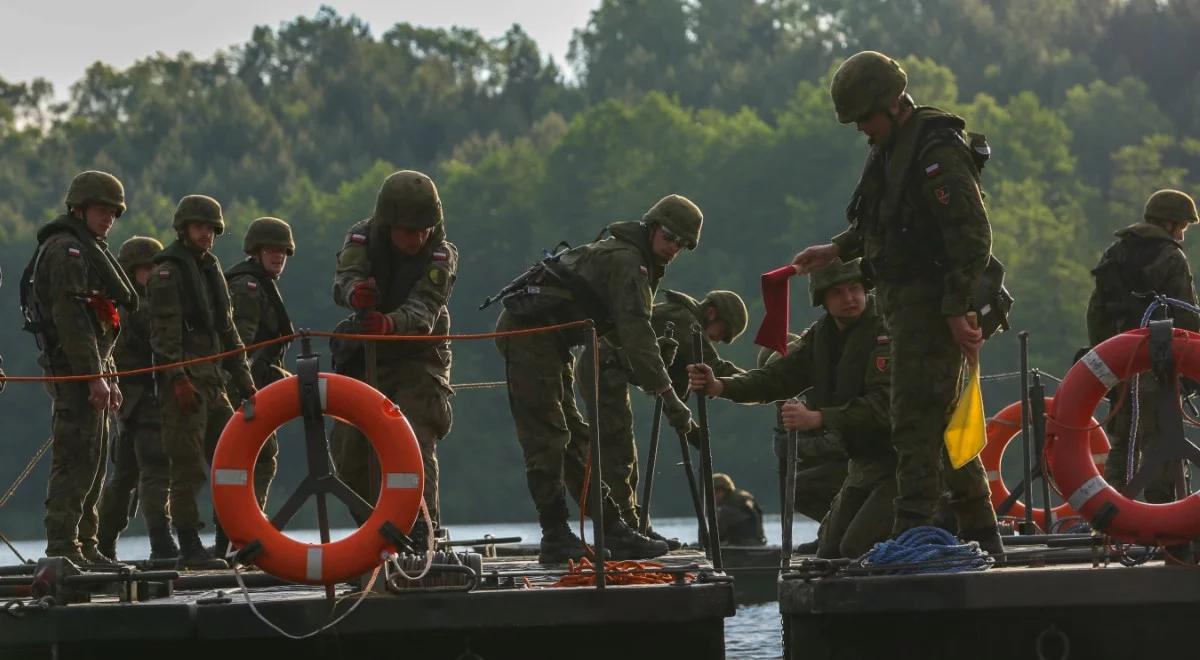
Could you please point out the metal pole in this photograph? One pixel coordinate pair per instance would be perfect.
(1026, 441)
(686, 462)
(596, 492)
(652, 457)
(371, 375)
(706, 466)
(1037, 405)
(789, 502)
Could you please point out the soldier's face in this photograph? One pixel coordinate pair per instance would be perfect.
(409, 241)
(664, 249)
(100, 218)
(273, 259)
(877, 127)
(201, 235)
(846, 302)
(142, 274)
(1177, 230)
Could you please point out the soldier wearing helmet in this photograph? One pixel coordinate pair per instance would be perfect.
(192, 317)
(70, 293)
(396, 270)
(612, 282)
(140, 472)
(260, 315)
(722, 317)
(739, 518)
(842, 362)
(1146, 259)
(918, 222)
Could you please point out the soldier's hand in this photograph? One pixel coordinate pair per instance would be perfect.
(115, 397)
(968, 337)
(677, 412)
(377, 323)
(364, 295)
(701, 379)
(185, 394)
(798, 417)
(668, 348)
(98, 393)
(814, 258)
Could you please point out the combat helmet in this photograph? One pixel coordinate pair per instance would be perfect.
(864, 83)
(839, 272)
(408, 199)
(722, 481)
(268, 232)
(678, 215)
(730, 309)
(199, 208)
(1170, 206)
(95, 187)
(138, 251)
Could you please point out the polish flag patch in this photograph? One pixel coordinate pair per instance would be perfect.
(644, 271)
(360, 239)
(933, 170)
(439, 255)
(883, 340)
(164, 274)
(73, 251)
(252, 285)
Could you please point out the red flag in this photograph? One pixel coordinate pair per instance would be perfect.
(105, 310)
(773, 333)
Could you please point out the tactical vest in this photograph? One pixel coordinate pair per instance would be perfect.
(273, 354)
(1121, 279)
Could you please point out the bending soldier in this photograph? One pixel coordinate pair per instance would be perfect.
(396, 270)
(70, 292)
(739, 518)
(1146, 259)
(191, 317)
(612, 282)
(141, 472)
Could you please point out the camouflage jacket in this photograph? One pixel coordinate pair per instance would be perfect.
(259, 315)
(739, 520)
(133, 352)
(683, 310)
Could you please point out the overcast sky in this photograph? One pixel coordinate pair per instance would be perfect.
(58, 39)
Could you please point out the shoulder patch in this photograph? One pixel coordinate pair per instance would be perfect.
(942, 195)
(441, 255)
(883, 340)
(73, 251)
(164, 274)
(436, 275)
(933, 170)
(644, 271)
(252, 285)
(359, 239)
(881, 362)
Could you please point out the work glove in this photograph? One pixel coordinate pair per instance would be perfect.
(185, 394)
(668, 348)
(243, 382)
(364, 295)
(377, 323)
(677, 412)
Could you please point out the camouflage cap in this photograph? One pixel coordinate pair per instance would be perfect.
(866, 82)
(138, 251)
(839, 272)
(408, 199)
(722, 481)
(1170, 206)
(268, 232)
(199, 208)
(95, 187)
(678, 215)
(730, 309)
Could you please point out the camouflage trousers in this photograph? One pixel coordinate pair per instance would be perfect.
(861, 513)
(1161, 487)
(140, 473)
(550, 429)
(426, 405)
(926, 376)
(77, 467)
(618, 448)
(190, 438)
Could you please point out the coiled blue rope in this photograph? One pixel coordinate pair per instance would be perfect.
(926, 550)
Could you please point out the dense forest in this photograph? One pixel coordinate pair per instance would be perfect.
(1089, 105)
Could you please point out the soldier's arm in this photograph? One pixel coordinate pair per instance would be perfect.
(166, 316)
(353, 266)
(627, 291)
(720, 366)
(952, 194)
(786, 377)
(72, 319)
(1176, 282)
(237, 365)
(870, 412)
(247, 306)
(849, 242)
(429, 295)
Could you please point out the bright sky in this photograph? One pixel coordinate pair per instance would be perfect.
(59, 39)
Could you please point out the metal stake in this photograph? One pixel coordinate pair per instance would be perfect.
(652, 458)
(1027, 527)
(706, 466)
(596, 491)
(789, 501)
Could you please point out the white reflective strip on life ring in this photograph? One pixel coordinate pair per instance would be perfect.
(402, 480)
(312, 567)
(230, 477)
(323, 393)
(1100, 369)
(1100, 459)
(1086, 491)
(993, 475)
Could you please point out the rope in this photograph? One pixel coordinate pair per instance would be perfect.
(26, 472)
(583, 574)
(926, 550)
(1003, 376)
(478, 386)
(237, 573)
(430, 544)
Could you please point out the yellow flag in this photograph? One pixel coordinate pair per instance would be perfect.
(966, 433)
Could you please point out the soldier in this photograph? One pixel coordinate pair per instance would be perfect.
(1147, 258)
(842, 360)
(191, 317)
(918, 221)
(396, 270)
(722, 315)
(70, 291)
(260, 315)
(612, 282)
(141, 473)
(739, 518)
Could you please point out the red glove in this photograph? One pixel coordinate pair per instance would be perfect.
(364, 295)
(377, 323)
(185, 394)
(105, 309)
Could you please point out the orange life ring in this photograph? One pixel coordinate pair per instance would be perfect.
(1095, 374)
(1001, 429)
(399, 500)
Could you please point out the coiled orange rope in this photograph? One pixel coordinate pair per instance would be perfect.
(583, 574)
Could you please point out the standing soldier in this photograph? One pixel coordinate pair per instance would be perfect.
(918, 221)
(1146, 259)
(396, 270)
(722, 315)
(69, 292)
(259, 314)
(140, 465)
(191, 317)
(842, 361)
(611, 281)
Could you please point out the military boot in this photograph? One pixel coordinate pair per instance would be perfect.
(809, 548)
(220, 546)
(70, 553)
(162, 544)
(192, 553)
(626, 543)
(95, 557)
(672, 543)
(988, 539)
(107, 547)
(559, 544)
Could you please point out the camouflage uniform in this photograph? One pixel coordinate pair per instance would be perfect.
(140, 464)
(74, 277)
(413, 293)
(1144, 259)
(739, 520)
(918, 221)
